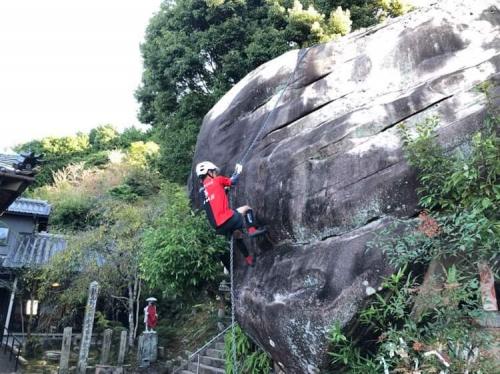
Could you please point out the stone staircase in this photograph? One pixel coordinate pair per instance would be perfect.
(211, 361)
(207, 360)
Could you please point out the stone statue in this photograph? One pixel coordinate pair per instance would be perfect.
(150, 315)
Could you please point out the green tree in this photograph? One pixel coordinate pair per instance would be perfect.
(103, 137)
(140, 153)
(109, 254)
(340, 21)
(196, 50)
(130, 135)
(65, 145)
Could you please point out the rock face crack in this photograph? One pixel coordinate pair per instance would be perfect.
(415, 113)
(303, 114)
(329, 174)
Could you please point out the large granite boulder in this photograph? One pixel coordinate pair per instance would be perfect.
(327, 171)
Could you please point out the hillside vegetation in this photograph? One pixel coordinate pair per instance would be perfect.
(128, 228)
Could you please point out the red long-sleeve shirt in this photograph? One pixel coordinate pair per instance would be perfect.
(215, 200)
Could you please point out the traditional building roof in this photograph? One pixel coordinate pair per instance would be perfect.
(8, 162)
(30, 207)
(16, 174)
(33, 250)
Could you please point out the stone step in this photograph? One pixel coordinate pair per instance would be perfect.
(219, 346)
(215, 353)
(211, 361)
(204, 369)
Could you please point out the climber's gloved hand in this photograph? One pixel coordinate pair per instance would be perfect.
(236, 175)
(238, 169)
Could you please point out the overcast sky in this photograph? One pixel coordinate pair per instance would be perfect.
(68, 66)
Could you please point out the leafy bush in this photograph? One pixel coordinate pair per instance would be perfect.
(251, 359)
(138, 183)
(461, 189)
(103, 137)
(395, 8)
(143, 182)
(407, 342)
(74, 212)
(101, 322)
(346, 357)
(96, 159)
(124, 192)
(65, 144)
(33, 348)
(140, 153)
(180, 251)
(314, 26)
(430, 328)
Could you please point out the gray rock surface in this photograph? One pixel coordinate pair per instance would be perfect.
(327, 171)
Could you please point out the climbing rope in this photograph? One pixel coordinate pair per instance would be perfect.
(233, 332)
(302, 54)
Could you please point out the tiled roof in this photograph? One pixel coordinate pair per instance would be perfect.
(30, 206)
(33, 250)
(7, 162)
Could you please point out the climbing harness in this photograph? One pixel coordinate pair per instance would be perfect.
(302, 54)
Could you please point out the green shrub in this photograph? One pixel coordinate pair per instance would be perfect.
(124, 192)
(75, 212)
(461, 193)
(138, 183)
(251, 359)
(101, 323)
(180, 249)
(33, 348)
(141, 153)
(395, 8)
(144, 182)
(460, 189)
(346, 357)
(96, 159)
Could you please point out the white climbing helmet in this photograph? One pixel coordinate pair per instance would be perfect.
(203, 167)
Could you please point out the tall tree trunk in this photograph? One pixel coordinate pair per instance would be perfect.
(137, 303)
(130, 308)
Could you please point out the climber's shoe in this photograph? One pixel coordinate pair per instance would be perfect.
(250, 261)
(254, 231)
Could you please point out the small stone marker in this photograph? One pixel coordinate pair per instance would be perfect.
(123, 347)
(106, 346)
(140, 348)
(65, 351)
(88, 324)
(161, 352)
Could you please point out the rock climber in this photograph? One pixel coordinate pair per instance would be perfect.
(216, 204)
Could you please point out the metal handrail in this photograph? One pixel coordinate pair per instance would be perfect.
(203, 347)
(210, 341)
(11, 347)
